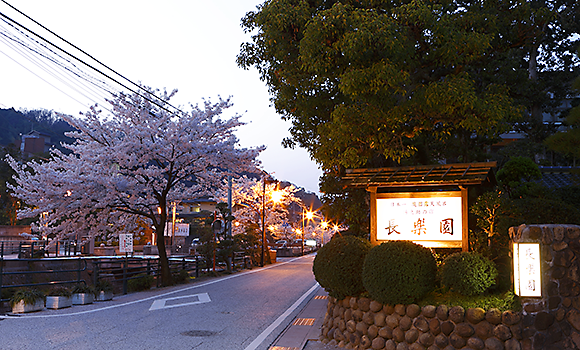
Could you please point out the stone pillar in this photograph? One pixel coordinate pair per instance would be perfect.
(553, 321)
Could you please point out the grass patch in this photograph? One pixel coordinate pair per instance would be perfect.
(502, 301)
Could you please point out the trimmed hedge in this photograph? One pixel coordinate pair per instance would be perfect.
(338, 266)
(399, 272)
(468, 273)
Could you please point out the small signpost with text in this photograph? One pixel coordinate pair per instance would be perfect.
(424, 204)
(126, 243)
(125, 246)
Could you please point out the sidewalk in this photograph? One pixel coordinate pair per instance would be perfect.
(304, 331)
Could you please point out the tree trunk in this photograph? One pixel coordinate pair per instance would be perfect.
(535, 109)
(166, 278)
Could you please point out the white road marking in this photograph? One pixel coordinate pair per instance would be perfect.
(161, 303)
(279, 320)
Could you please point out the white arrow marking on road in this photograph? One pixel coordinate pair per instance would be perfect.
(161, 303)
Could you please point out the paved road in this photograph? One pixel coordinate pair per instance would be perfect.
(244, 311)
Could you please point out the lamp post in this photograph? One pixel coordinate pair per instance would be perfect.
(265, 180)
(308, 215)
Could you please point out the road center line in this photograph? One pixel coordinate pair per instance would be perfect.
(279, 320)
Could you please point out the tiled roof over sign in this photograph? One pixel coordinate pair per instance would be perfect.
(555, 177)
(422, 175)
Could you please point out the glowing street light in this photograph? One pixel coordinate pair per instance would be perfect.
(265, 180)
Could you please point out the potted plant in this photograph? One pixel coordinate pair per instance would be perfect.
(82, 294)
(27, 300)
(59, 297)
(103, 290)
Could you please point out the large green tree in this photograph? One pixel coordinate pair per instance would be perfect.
(567, 142)
(377, 83)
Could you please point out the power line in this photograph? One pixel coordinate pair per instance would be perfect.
(86, 64)
(37, 48)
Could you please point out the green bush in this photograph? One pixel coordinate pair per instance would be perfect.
(82, 288)
(104, 286)
(468, 273)
(59, 291)
(182, 276)
(338, 265)
(399, 272)
(29, 296)
(143, 282)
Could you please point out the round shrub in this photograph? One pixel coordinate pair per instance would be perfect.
(468, 273)
(338, 266)
(399, 272)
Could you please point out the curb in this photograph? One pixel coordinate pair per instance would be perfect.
(306, 326)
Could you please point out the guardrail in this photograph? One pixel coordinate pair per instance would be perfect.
(38, 248)
(15, 270)
(118, 270)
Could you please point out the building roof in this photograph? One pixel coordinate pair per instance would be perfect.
(465, 174)
(556, 177)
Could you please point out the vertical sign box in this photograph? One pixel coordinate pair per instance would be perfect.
(527, 270)
(126, 243)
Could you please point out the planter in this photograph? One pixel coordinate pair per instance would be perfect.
(82, 298)
(58, 302)
(21, 307)
(104, 296)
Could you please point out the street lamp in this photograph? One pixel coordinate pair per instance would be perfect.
(324, 225)
(309, 215)
(265, 180)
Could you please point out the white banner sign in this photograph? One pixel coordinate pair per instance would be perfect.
(527, 270)
(430, 216)
(126, 243)
(180, 229)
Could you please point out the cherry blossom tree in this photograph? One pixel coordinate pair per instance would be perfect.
(127, 167)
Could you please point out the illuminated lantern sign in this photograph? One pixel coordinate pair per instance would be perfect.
(527, 270)
(426, 204)
(433, 219)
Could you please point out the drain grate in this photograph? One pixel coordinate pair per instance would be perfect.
(304, 322)
(199, 333)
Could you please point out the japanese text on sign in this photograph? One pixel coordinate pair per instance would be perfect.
(126, 243)
(527, 270)
(415, 218)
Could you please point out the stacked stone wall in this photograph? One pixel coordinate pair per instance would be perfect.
(549, 322)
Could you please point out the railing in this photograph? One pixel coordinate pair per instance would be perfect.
(121, 270)
(117, 270)
(81, 265)
(38, 248)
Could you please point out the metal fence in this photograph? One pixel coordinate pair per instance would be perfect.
(118, 270)
(24, 273)
(38, 248)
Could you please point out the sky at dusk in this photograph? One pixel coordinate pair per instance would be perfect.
(188, 45)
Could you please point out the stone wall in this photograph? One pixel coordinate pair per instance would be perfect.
(553, 321)
(361, 323)
(550, 322)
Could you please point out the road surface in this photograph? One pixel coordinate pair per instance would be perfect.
(245, 311)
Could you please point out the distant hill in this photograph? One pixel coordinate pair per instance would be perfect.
(14, 123)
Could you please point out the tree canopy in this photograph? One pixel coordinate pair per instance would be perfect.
(126, 168)
(371, 83)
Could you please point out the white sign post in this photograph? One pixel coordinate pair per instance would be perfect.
(126, 243)
(527, 270)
